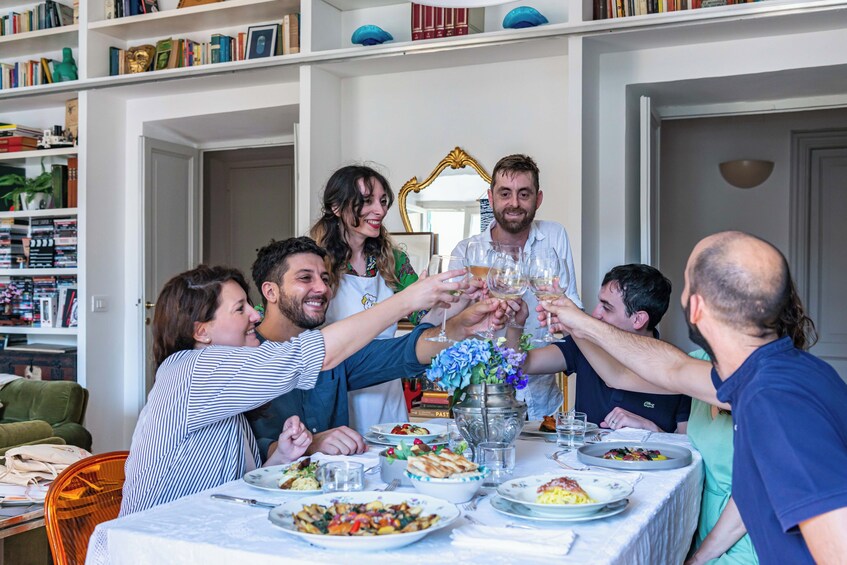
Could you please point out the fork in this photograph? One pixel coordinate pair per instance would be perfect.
(392, 485)
(476, 522)
(474, 502)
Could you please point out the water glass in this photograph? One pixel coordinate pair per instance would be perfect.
(570, 429)
(499, 457)
(342, 476)
(455, 440)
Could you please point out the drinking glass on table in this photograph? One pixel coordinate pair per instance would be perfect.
(506, 279)
(545, 280)
(440, 264)
(342, 476)
(499, 457)
(570, 429)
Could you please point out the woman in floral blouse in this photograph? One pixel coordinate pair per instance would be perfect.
(365, 269)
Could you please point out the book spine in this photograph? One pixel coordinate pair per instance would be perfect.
(440, 26)
(429, 22)
(72, 200)
(417, 21)
(462, 27)
(428, 412)
(449, 22)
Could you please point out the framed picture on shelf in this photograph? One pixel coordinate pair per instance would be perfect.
(418, 246)
(261, 41)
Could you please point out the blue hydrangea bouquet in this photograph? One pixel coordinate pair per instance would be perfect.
(477, 361)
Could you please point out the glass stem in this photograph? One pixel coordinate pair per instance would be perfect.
(444, 324)
(549, 328)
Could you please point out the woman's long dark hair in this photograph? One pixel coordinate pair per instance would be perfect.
(189, 297)
(342, 196)
(794, 322)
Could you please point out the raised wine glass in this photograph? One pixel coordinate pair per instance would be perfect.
(478, 257)
(506, 278)
(440, 264)
(544, 274)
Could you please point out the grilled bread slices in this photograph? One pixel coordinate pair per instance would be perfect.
(440, 466)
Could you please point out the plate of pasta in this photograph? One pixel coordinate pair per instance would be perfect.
(569, 494)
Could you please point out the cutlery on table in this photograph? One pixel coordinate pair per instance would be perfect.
(246, 501)
(476, 522)
(471, 505)
(392, 485)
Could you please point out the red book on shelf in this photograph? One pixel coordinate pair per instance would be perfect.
(462, 21)
(429, 22)
(417, 21)
(73, 183)
(17, 141)
(440, 25)
(450, 22)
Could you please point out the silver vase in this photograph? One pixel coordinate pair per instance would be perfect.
(489, 412)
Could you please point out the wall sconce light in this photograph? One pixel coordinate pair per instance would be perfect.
(746, 173)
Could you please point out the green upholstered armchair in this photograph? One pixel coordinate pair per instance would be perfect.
(61, 404)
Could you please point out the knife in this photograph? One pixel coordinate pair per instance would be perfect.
(247, 501)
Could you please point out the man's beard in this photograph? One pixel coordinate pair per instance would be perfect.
(516, 226)
(697, 337)
(293, 310)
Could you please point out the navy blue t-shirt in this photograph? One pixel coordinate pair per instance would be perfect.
(597, 399)
(789, 411)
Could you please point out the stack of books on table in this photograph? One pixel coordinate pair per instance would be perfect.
(433, 404)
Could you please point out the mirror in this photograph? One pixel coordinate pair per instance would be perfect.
(452, 202)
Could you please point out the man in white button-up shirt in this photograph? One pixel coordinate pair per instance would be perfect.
(515, 195)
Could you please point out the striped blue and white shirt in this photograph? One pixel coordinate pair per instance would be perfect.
(190, 435)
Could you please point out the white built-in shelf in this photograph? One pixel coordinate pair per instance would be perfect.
(37, 330)
(49, 213)
(54, 271)
(39, 154)
(182, 22)
(38, 42)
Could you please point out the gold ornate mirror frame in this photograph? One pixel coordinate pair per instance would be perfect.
(456, 159)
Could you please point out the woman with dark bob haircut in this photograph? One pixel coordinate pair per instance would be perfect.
(210, 369)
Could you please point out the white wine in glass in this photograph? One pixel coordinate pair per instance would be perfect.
(478, 257)
(544, 269)
(506, 279)
(440, 264)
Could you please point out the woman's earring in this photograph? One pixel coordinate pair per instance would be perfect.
(208, 341)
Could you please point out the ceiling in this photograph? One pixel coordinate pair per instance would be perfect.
(262, 123)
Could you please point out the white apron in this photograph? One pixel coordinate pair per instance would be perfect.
(380, 403)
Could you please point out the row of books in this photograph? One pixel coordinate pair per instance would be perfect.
(432, 404)
(10, 130)
(26, 73)
(40, 301)
(282, 39)
(429, 22)
(43, 243)
(48, 15)
(605, 9)
(123, 8)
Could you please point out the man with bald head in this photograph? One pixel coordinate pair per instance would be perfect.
(789, 408)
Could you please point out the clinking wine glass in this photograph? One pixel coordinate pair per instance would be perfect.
(506, 279)
(440, 264)
(478, 257)
(545, 280)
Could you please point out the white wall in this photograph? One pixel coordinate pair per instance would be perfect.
(696, 201)
(407, 122)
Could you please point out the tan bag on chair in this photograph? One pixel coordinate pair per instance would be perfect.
(30, 464)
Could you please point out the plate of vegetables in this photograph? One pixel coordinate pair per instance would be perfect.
(363, 521)
(394, 432)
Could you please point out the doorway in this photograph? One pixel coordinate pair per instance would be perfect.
(696, 201)
(248, 197)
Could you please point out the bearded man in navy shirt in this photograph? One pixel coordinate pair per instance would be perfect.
(789, 475)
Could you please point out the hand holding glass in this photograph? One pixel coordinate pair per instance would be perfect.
(506, 280)
(440, 264)
(544, 270)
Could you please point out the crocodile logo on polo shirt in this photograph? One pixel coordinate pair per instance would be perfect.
(649, 404)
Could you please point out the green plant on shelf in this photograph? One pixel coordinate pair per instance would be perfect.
(28, 190)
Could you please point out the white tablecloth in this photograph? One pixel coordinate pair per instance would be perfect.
(656, 527)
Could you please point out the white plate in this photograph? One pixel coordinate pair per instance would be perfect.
(376, 439)
(531, 428)
(283, 516)
(602, 488)
(677, 456)
(383, 431)
(516, 510)
(267, 478)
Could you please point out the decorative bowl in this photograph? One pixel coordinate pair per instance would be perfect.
(370, 35)
(452, 489)
(523, 16)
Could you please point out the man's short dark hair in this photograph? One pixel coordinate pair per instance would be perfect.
(642, 287)
(513, 164)
(272, 260)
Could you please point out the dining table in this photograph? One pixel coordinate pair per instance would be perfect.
(656, 527)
